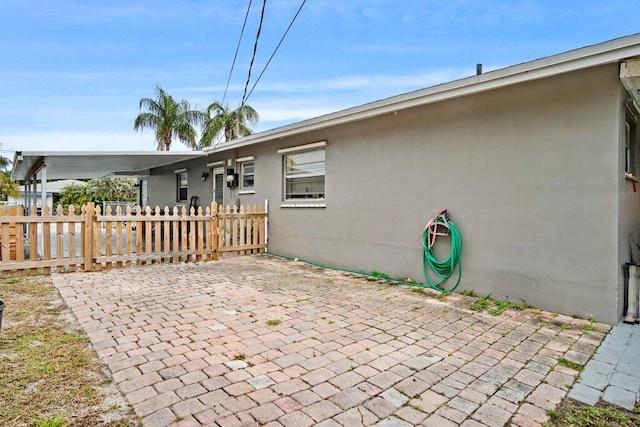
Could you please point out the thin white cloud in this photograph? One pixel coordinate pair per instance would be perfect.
(270, 113)
(78, 141)
(420, 80)
(347, 83)
(98, 11)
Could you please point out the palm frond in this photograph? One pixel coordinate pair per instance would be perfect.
(220, 122)
(169, 119)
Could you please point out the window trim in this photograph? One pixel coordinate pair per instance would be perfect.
(217, 170)
(179, 173)
(302, 202)
(305, 147)
(242, 162)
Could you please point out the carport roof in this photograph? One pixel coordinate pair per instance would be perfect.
(93, 164)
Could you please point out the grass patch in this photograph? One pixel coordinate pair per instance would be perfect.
(553, 414)
(573, 413)
(50, 422)
(469, 293)
(496, 307)
(480, 305)
(571, 365)
(442, 296)
(380, 275)
(49, 375)
(273, 322)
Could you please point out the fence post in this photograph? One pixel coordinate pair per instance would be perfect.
(88, 236)
(46, 236)
(213, 242)
(33, 238)
(263, 227)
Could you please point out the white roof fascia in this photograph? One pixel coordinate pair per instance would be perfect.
(586, 57)
(28, 162)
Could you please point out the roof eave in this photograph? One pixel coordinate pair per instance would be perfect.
(25, 163)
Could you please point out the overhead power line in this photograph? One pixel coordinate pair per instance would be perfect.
(237, 49)
(275, 50)
(253, 57)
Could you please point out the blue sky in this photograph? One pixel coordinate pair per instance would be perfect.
(72, 72)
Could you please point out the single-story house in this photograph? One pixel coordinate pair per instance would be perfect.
(537, 164)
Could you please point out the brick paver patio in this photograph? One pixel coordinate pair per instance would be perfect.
(258, 340)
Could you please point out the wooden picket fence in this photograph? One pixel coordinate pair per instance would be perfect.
(90, 240)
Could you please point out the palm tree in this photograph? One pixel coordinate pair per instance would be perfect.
(219, 119)
(4, 162)
(169, 119)
(8, 187)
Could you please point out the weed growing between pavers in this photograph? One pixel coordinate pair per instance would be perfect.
(571, 365)
(380, 275)
(496, 307)
(48, 373)
(469, 293)
(443, 296)
(572, 413)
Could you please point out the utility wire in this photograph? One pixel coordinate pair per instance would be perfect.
(255, 49)
(236, 54)
(275, 50)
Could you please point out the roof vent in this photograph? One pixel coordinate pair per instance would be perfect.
(478, 69)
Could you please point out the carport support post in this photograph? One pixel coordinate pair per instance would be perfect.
(88, 236)
(43, 200)
(43, 186)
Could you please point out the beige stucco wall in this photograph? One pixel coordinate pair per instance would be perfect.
(530, 174)
(162, 184)
(628, 204)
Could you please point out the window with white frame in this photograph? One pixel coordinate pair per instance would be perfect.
(304, 174)
(248, 175)
(183, 182)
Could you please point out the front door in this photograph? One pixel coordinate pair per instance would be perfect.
(218, 185)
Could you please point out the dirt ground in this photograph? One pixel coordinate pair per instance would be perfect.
(49, 374)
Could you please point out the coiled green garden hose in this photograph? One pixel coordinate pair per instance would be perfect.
(444, 268)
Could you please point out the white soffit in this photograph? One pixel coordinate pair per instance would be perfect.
(95, 164)
(630, 77)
